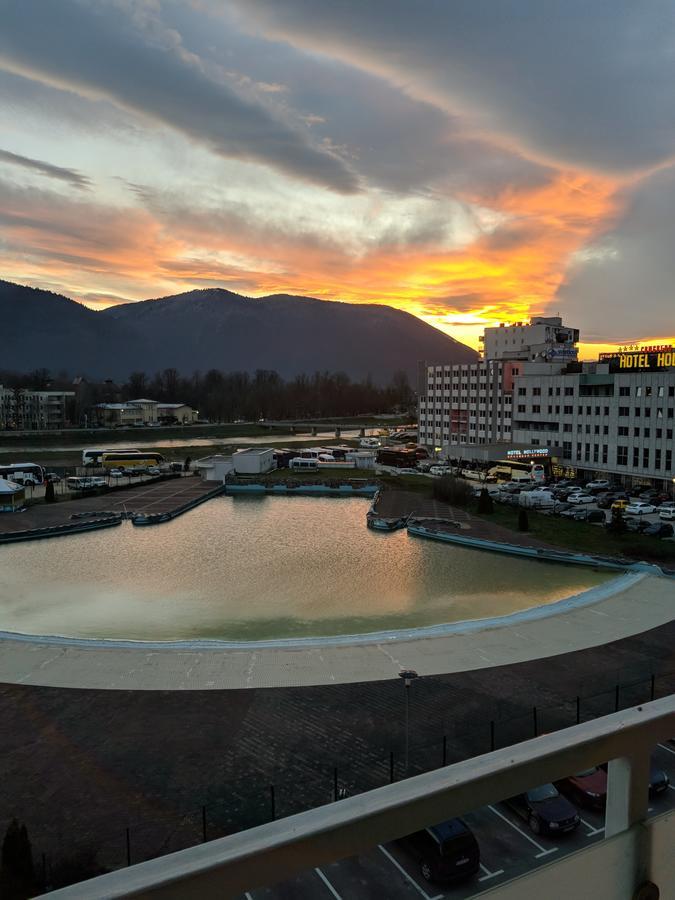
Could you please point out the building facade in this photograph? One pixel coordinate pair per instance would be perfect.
(613, 417)
(134, 413)
(22, 409)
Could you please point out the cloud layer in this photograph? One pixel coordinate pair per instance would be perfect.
(468, 162)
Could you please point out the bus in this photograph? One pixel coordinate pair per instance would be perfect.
(130, 459)
(93, 457)
(23, 473)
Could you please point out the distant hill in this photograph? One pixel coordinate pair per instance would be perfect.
(216, 329)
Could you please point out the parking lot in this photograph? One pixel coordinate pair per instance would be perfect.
(507, 846)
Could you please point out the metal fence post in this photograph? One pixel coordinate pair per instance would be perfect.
(204, 823)
(578, 710)
(273, 803)
(391, 767)
(534, 721)
(128, 848)
(492, 734)
(616, 698)
(652, 690)
(445, 750)
(335, 783)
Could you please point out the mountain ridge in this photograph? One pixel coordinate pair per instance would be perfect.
(220, 329)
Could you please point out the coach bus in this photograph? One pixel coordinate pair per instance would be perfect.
(93, 457)
(23, 473)
(130, 459)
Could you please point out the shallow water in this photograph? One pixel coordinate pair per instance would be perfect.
(258, 568)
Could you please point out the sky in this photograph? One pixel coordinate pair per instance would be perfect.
(470, 162)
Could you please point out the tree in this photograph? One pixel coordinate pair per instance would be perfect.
(523, 520)
(485, 504)
(617, 523)
(50, 496)
(16, 866)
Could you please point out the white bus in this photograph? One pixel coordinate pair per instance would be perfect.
(23, 473)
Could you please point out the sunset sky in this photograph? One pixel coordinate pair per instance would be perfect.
(470, 161)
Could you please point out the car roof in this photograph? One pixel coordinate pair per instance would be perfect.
(444, 831)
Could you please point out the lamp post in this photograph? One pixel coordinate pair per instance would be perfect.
(408, 675)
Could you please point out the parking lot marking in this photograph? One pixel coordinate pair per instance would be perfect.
(669, 749)
(328, 884)
(248, 896)
(408, 877)
(592, 831)
(488, 874)
(543, 850)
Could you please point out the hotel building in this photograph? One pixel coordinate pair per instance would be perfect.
(613, 417)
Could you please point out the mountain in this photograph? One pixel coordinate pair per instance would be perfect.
(217, 329)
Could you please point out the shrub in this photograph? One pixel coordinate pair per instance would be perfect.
(523, 521)
(452, 490)
(485, 504)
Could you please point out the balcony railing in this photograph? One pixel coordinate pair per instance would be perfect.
(230, 866)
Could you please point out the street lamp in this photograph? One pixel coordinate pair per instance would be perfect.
(408, 675)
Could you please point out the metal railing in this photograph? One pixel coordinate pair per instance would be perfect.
(270, 853)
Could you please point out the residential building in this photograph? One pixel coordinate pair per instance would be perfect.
(143, 412)
(23, 409)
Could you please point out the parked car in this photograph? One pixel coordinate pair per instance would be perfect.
(440, 470)
(639, 508)
(589, 515)
(53, 477)
(606, 501)
(115, 473)
(637, 525)
(659, 529)
(658, 780)
(446, 852)
(601, 485)
(545, 810)
(154, 470)
(580, 498)
(587, 788)
(620, 504)
(561, 507)
(667, 513)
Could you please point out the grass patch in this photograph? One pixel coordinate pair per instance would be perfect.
(583, 537)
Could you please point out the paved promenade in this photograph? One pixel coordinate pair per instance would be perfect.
(614, 610)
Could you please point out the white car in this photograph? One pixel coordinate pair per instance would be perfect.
(154, 470)
(639, 508)
(666, 512)
(580, 498)
(440, 470)
(116, 473)
(597, 485)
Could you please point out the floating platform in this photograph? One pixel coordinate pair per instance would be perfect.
(309, 490)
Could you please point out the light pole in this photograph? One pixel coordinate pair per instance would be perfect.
(407, 675)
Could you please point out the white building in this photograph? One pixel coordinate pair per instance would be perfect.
(214, 468)
(612, 417)
(254, 461)
(22, 409)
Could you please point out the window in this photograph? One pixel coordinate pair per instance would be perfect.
(597, 410)
(669, 460)
(550, 392)
(638, 392)
(536, 409)
(568, 410)
(522, 392)
(567, 426)
(661, 391)
(622, 431)
(637, 412)
(604, 454)
(624, 391)
(645, 457)
(622, 456)
(580, 410)
(606, 411)
(569, 391)
(636, 432)
(636, 457)
(521, 407)
(647, 432)
(659, 432)
(596, 430)
(648, 412)
(624, 411)
(588, 410)
(648, 390)
(536, 392)
(657, 458)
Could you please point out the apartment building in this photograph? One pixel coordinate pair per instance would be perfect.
(22, 409)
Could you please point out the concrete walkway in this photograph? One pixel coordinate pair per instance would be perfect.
(628, 605)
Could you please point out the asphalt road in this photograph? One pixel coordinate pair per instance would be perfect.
(508, 849)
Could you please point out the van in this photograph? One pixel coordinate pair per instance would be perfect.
(446, 852)
(299, 462)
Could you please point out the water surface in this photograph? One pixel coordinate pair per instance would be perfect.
(259, 568)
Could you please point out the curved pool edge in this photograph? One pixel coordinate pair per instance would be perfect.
(466, 626)
(628, 605)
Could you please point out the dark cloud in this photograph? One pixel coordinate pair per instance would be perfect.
(122, 52)
(584, 83)
(70, 176)
(622, 286)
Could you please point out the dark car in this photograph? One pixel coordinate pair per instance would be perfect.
(605, 502)
(446, 852)
(659, 529)
(587, 788)
(545, 810)
(658, 780)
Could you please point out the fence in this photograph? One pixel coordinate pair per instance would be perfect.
(246, 802)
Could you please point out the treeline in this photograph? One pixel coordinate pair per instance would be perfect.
(227, 396)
